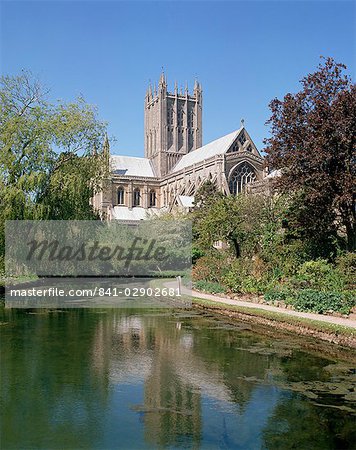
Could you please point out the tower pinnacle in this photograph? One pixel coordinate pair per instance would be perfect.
(106, 148)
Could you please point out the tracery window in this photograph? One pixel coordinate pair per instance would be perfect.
(152, 197)
(191, 119)
(136, 197)
(240, 177)
(121, 196)
(170, 116)
(242, 138)
(180, 116)
(235, 147)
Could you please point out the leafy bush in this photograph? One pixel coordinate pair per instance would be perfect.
(196, 254)
(346, 265)
(250, 276)
(318, 275)
(287, 257)
(279, 295)
(211, 267)
(233, 279)
(310, 300)
(321, 302)
(2, 266)
(209, 286)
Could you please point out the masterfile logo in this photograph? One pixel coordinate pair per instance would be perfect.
(94, 248)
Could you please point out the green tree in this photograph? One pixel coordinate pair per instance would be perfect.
(47, 165)
(235, 220)
(206, 195)
(204, 198)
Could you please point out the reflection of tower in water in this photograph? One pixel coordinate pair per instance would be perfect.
(132, 347)
(172, 408)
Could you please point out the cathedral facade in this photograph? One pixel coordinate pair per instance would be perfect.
(175, 163)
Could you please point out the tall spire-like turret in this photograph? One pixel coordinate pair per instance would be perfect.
(106, 148)
(162, 79)
(162, 84)
(149, 92)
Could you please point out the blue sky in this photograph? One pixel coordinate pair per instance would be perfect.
(244, 54)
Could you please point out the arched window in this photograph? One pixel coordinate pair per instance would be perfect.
(191, 119)
(121, 196)
(242, 175)
(136, 197)
(152, 197)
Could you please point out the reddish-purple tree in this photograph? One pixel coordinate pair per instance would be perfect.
(313, 139)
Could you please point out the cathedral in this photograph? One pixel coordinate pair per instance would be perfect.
(175, 162)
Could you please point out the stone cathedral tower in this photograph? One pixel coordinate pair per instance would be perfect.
(173, 124)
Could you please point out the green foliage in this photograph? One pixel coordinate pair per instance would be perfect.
(274, 258)
(206, 195)
(196, 254)
(319, 275)
(279, 295)
(209, 286)
(233, 220)
(249, 276)
(2, 266)
(287, 257)
(346, 265)
(211, 267)
(311, 300)
(70, 188)
(47, 166)
(322, 302)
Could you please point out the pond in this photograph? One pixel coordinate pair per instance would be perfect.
(151, 379)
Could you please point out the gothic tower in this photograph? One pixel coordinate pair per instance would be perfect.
(173, 124)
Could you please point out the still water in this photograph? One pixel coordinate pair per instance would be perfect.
(150, 379)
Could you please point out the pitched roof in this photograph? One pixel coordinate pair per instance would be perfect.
(217, 147)
(131, 165)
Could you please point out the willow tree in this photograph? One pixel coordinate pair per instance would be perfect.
(313, 141)
(47, 165)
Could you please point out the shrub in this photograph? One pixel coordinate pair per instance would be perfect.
(209, 286)
(319, 275)
(287, 257)
(321, 302)
(279, 295)
(310, 300)
(346, 265)
(211, 267)
(196, 254)
(250, 276)
(233, 279)
(251, 285)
